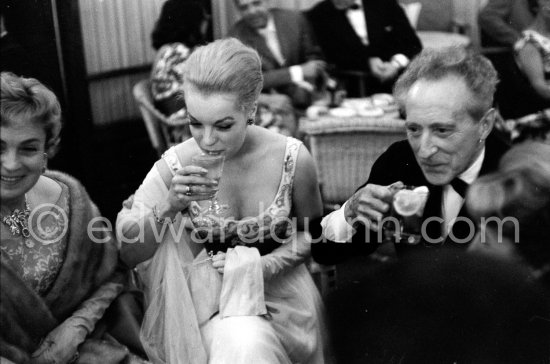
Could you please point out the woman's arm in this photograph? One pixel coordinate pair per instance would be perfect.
(306, 206)
(136, 225)
(158, 201)
(530, 63)
(306, 196)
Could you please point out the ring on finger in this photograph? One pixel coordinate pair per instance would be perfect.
(188, 191)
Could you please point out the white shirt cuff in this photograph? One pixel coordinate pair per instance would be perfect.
(296, 73)
(336, 228)
(400, 60)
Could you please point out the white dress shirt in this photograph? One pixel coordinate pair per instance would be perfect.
(270, 35)
(357, 20)
(452, 202)
(336, 228)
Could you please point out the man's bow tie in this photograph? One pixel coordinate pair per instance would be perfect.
(459, 186)
(354, 6)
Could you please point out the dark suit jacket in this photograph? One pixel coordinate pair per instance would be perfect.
(180, 21)
(297, 46)
(398, 163)
(389, 33)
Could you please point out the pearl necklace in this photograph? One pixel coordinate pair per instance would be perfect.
(18, 221)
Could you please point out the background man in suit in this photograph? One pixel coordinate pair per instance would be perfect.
(373, 36)
(291, 61)
(447, 97)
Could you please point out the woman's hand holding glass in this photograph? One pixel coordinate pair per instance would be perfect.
(213, 210)
(190, 183)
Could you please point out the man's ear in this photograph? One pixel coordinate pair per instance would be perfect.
(488, 122)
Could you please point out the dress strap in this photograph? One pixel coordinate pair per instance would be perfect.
(289, 166)
(172, 160)
(291, 157)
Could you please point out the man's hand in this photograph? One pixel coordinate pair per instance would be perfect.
(370, 204)
(313, 69)
(382, 70)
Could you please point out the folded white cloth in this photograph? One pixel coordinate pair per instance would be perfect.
(243, 284)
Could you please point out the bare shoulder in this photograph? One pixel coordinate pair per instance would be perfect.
(46, 190)
(269, 141)
(305, 166)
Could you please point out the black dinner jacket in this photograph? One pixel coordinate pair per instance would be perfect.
(398, 163)
(388, 28)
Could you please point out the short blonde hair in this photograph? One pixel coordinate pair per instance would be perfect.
(226, 66)
(28, 99)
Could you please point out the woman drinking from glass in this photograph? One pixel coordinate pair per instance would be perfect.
(251, 300)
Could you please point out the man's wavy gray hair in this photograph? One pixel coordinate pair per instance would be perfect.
(435, 64)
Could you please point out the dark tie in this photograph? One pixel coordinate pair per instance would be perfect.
(459, 186)
(433, 209)
(354, 7)
(461, 229)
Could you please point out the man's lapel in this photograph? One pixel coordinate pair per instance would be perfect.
(257, 41)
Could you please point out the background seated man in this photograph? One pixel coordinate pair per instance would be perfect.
(374, 36)
(291, 61)
(447, 96)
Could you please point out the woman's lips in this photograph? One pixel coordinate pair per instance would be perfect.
(11, 179)
(213, 152)
(8, 180)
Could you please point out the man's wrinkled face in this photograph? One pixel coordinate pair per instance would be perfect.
(254, 12)
(444, 137)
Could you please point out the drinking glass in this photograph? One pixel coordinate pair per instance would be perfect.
(213, 210)
(405, 214)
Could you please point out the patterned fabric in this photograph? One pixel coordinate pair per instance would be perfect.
(265, 229)
(540, 42)
(167, 73)
(39, 257)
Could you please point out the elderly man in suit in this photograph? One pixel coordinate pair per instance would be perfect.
(373, 36)
(447, 98)
(291, 61)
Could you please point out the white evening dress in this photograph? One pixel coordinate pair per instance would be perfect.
(266, 310)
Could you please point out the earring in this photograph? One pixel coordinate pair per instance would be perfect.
(481, 140)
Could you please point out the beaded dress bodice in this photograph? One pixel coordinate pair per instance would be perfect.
(264, 231)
